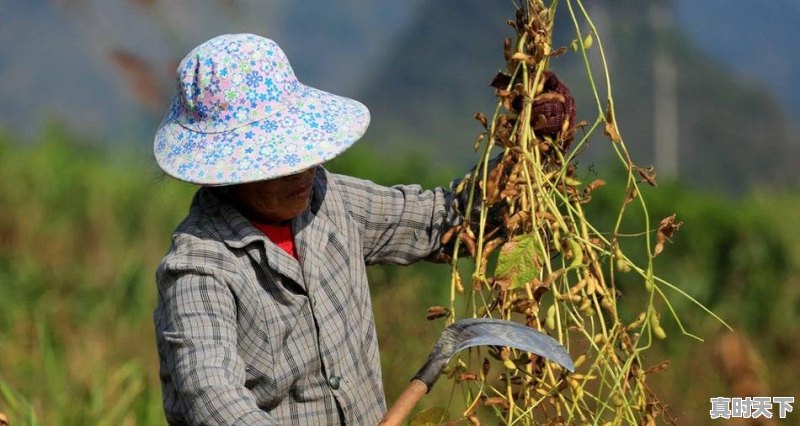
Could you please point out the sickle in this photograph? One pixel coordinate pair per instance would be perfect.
(467, 333)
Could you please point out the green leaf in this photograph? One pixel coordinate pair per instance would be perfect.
(520, 261)
(429, 416)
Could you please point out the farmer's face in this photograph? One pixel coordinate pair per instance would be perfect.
(275, 200)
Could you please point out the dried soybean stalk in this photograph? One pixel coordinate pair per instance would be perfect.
(546, 265)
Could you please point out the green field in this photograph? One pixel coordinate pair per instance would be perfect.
(82, 230)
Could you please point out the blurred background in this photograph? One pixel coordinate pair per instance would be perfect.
(707, 91)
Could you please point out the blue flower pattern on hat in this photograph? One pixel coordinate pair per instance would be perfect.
(241, 115)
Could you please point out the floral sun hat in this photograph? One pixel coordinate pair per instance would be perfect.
(241, 115)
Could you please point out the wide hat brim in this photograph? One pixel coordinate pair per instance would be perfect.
(311, 127)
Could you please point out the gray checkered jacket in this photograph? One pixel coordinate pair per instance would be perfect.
(247, 335)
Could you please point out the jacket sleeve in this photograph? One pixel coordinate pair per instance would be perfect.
(400, 224)
(202, 374)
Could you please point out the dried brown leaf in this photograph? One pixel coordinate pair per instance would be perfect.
(503, 283)
(666, 228)
(610, 128)
(648, 174)
(501, 81)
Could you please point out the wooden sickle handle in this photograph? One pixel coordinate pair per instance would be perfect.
(405, 403)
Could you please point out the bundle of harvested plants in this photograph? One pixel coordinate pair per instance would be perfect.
(540, 261)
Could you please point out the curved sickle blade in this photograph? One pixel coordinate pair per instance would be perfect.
(471, 332)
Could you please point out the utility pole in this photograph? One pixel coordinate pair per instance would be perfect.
(665, 96)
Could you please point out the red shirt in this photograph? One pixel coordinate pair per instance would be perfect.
(281, 235)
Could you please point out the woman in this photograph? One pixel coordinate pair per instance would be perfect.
(264, 314)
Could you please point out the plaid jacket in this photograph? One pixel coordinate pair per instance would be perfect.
(247, 335)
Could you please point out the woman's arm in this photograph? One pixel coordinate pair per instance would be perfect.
(202, 374)
(400, 224)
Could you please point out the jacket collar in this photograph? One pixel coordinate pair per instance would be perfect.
(231, 226)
